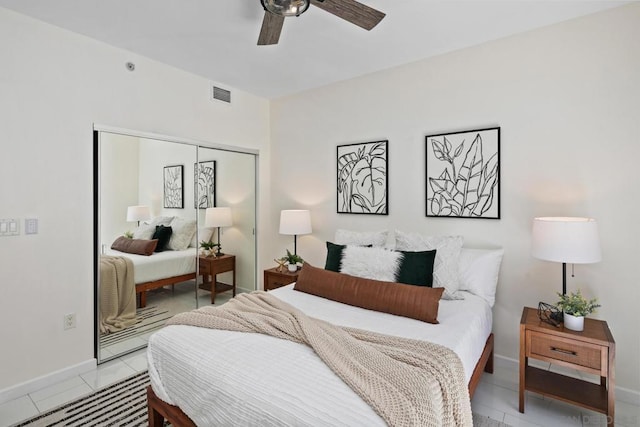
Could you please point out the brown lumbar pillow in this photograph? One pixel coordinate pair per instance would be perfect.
(135, 246)
(416, 302)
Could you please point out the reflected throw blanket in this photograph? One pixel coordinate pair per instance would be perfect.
(117, 294)
(407, 382)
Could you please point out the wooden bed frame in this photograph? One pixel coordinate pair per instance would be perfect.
(159, 411)
(142, 288)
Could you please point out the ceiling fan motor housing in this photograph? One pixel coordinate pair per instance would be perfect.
(285, 7)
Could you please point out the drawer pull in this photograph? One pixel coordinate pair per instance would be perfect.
(563, 351)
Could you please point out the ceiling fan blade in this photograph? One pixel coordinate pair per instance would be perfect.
(271, 28)
(352, 11)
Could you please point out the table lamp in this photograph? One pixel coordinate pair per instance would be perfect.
(295, 222)
(138, 213)
(567, 240)
(218, 217)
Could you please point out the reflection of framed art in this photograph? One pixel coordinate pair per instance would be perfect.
(463, 174)
(362, 178)
(205, 184)
(174, 187)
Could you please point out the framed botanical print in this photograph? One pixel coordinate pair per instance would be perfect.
(463, 174)
(362, 178)
(173, 187)
(205, 184)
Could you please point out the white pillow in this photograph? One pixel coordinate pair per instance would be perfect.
(360, 238)
(479, 271)
(182, 231)
(370, 263)
(144, 232)
(445, 266)
(203, 234)
(160, 220)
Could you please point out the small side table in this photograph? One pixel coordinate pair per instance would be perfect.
(592, 351)
(275, 279)
(212, 266)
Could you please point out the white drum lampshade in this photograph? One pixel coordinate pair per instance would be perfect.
(570, 240)
(138, 213)
(295, 222)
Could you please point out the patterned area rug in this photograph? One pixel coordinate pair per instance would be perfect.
(125, 404)
(120, 404)
(150, 319)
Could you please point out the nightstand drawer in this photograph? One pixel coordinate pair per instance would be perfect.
(574, 352)
(205, 267)
(277, 282)
(275, 279)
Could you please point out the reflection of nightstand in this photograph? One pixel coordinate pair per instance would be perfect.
(591, 351)
(211, 266)
(275, 279)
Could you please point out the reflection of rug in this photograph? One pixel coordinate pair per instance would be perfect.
(150, 318)
(125, 404)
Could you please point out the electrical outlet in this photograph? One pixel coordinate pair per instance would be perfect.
(69, 321)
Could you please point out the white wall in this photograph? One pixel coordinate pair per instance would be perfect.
(119, 161)
(567, 100)
(55, 85)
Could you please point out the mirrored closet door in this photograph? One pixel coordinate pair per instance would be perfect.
(157, 199)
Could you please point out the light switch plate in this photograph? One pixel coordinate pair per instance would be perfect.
(9, 227)
(31, 226)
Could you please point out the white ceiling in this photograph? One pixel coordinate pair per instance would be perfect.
(217, 39)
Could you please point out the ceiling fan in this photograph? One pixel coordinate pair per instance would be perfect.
(350, 10)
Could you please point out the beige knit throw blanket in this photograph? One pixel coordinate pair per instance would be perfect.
(407, 382)
(117, 294)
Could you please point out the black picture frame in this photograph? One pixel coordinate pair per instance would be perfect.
(463, 174)
(204, 184)
(362, 178)
(173, 181)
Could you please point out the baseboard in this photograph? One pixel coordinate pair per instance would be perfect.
(39, 383)
(622, 394)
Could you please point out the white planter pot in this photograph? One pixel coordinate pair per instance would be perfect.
(292, 267)
(575, 323)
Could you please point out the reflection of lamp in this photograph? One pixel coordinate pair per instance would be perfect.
(295, 222)
(138, 213)
(218, 217)
(566, 240)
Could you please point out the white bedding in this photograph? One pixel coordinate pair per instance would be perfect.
(228, 378)
(160, 265)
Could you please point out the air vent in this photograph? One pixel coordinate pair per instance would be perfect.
(221, 94)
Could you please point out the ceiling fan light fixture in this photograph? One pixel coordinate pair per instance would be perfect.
(285, 7)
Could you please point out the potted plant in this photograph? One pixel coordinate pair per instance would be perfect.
(292, 261)
(207, 247)
(575, 307)
(128, 234)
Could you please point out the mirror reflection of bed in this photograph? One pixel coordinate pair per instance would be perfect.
(150, 220)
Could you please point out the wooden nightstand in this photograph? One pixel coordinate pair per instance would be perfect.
(275, 279)
(212, 266)
(591, 351)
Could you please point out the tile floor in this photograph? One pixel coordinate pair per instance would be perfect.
(496, 397)
(172, 299)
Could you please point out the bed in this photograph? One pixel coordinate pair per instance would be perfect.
(160, 269)
(170, 260)
(218, 377)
